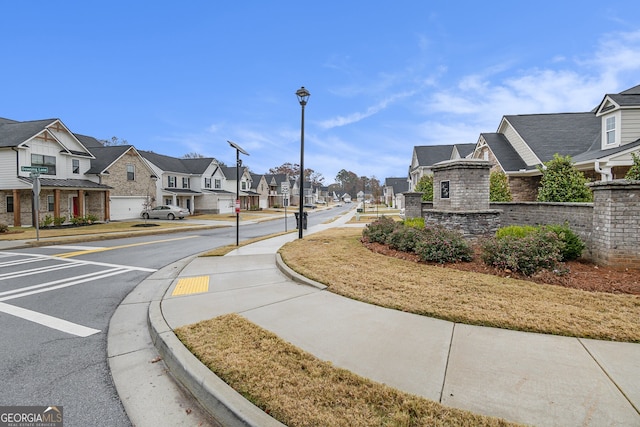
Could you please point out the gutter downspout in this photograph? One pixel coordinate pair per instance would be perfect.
(605, 173)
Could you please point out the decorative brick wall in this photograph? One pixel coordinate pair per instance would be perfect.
(472, 225)
(524, 189)
(579, 216)
(616, 223)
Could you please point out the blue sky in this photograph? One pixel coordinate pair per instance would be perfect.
(182, 77)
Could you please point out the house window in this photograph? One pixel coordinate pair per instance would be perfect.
(76, 166)
(168, 201)
(185, 182)
(9, 203)
(131, 172)
(244, 185)
(171, 181)
(610, 123)
(48, 162)
(50, 203)
(218, 184)
(207, 183)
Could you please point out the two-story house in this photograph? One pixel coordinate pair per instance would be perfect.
(121, 167)
(184, 182)
(600, 142)
(47, 152)
(392, 192)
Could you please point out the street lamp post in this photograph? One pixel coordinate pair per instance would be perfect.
(303, 96)
(238, 166)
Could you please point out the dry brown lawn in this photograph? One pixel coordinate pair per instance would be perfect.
(338, 259)
(299, 390)
(27, 233)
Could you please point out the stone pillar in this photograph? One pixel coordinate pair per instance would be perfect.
(616, 223)
(461, 185)
(461, 198)
(412, 205)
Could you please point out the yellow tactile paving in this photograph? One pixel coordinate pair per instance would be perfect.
(191, 285)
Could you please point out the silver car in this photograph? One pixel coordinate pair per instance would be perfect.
(165, 212)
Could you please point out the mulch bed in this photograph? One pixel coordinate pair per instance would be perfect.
(579, 274)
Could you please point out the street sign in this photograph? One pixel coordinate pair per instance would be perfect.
(39, 169)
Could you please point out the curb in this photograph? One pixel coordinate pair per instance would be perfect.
(298, 278)
(222, 402)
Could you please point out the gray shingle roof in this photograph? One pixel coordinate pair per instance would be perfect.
(564, 133)
(399, 185)
(14, 133)
(429, 155)
(68, 183)
(105, 156)
(173, 164)
(509, 159)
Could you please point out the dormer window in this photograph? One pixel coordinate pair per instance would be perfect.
(610, 130)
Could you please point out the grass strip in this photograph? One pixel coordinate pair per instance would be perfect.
(337, 259)
(299, 390)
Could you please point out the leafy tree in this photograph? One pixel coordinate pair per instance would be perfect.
(562, 182)
(293, 170)
(285, 169)
(634, 172)
(499, 187)
(425, 186)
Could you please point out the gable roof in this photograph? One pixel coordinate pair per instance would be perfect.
(504, 152)
(564, 133)
(195, 166)
(428, 155)
(399, 185)
(105, 156)
(13, 133)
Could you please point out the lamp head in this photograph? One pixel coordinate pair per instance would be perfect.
(303, 95)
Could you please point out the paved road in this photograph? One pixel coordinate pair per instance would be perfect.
(55, 307)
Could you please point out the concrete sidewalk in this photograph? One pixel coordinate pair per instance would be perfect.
(522, 377)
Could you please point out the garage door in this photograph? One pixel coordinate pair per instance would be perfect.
(126, 207)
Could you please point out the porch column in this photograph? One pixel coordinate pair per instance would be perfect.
(16, 208)
(81, 203)
(107, 206)
(56, 203)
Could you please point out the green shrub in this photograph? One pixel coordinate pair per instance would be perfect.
(4, 228)
(633, 174)
(573, 245)
(90, 218)
(47, 221)
(414, 223)
(59, 220)
(378, 230)
(562, 182)
(403, 238)
(526, 255)
(499, 187)
(437, 244)
(425, 186)
(515, 231)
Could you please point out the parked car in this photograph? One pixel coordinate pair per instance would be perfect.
(309, 205)
(165, 212)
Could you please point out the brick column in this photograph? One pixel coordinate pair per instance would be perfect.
(616, 223)
(412, 205)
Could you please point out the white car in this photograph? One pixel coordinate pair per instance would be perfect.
(165, 212)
